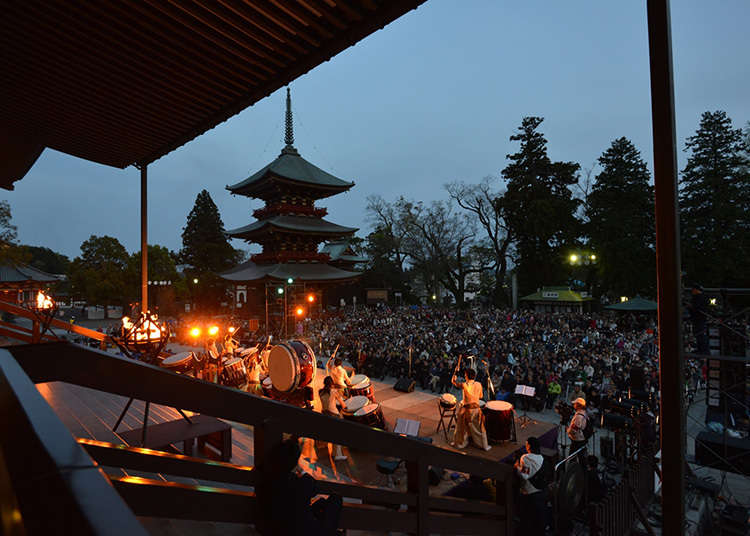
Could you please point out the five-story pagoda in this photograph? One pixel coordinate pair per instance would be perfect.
(289, 227)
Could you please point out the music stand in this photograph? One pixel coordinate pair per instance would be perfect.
(525, 390)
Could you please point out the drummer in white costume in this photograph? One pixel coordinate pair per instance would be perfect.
(470, 421)
(336, 371)
(255, 368)
(331, 399)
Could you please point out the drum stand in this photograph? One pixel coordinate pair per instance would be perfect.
(145, 419)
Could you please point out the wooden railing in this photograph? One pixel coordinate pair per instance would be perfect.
(34, 335)
(48, 485)
(615, 514)
(413, 511)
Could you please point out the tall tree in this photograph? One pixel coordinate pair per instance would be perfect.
(46, 260)
(9, 250)
(206, 248)
(481, 201)
(539, 208)
(98, 274)
(620, 227)
(389, 225)
(714, 201)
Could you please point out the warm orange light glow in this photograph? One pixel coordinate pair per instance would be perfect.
(195, 332)
(300, 311)
(147, 331)
(232, 329)
(311, 298)
(43, 301)
(213, 330)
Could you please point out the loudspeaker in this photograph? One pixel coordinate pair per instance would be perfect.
(405, 385)
(637, 380)
(710, 451)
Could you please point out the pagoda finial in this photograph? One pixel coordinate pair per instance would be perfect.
(289, 134)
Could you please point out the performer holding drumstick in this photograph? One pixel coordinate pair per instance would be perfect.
(470, 421)
(336, 371)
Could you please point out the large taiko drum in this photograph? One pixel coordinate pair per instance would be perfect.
(234, 373)
(498, 420)
(361, 386)
(371, 415)
(291, 365)
(182, 362)
(351, 405)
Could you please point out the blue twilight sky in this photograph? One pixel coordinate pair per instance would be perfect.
(430, 99)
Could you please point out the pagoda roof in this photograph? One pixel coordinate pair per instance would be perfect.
(308, 272)
(290, 167)
(297, 224)
(340, 250)
(19, 273)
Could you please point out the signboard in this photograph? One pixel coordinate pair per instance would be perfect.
(550, 294)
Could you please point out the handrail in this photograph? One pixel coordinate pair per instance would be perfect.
(558, 464)
(23, 312)
(76, 364)
(57, 487)
(72, 363)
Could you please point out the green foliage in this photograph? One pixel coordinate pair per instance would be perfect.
(10, 252)
(620, 211)
(46, 260)
(98, 275)
(161, 267)
(714, 201)
(206, 248)
(539, 209)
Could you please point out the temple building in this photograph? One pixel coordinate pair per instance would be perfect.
(289, 228)
(19, 283)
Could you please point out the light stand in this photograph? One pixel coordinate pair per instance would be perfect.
(44, 309)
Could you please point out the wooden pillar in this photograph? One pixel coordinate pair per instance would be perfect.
(416, 472)
(671, 369)
(144, 238)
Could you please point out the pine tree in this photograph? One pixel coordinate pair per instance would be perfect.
(714, 201)
(206, 248)
(620, 211)
(539, 208)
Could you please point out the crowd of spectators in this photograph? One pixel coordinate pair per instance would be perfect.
(581, 354)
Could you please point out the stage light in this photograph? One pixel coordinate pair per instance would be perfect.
(279, 290)
(310, 298)
(434, 297)
(195, 332)
(195, 280)
(593, 257)
(300, 311)
(213, 330)
(290, 281)
(573, 257)
(232, 329)
(712, 301)
(623, 299)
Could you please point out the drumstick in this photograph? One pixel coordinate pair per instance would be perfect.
(334, 352)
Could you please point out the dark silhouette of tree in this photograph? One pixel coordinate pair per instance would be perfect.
(539, 209)
(46, 260)
(98, 274)
(480, 200)
(620, 227)
(207, 251)
(714, 201)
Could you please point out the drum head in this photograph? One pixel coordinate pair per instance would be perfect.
(356, 403)
(369, 408)
(360, 381)
(448, 399)
(282, 367)
(176, 359)
(499, 405)
(267, 382)
(245, 352)
(232, 362)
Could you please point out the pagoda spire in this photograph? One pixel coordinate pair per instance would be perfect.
(289, 127)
